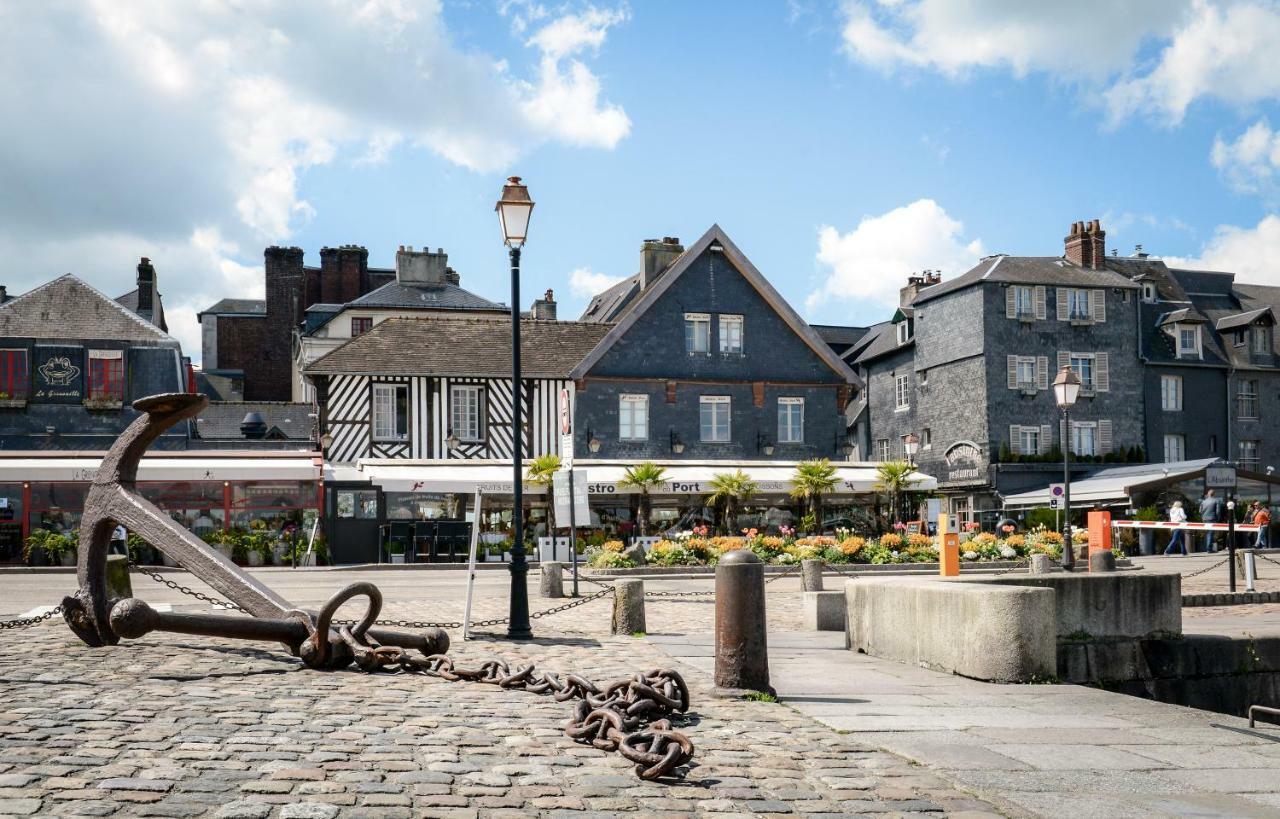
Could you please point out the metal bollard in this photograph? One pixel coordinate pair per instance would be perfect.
(119, 586)
(552, 583)
(1250, 569)
(811, 575)
(628, 607)
(742, 649)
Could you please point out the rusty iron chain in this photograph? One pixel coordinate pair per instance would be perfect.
(28, 622)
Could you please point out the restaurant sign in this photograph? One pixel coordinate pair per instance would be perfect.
(964, 462)
(59, 375)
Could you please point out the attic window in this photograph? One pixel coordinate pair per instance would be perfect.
(904, 331)
(1148, 292)
(1188, 337)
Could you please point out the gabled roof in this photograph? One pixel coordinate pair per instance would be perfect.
(221, 419)
(426, 297)
(1048, 270)
(1244, 319)
(129, 301)
(868, 339)
(1184, 315)
(885, 342)
(68, 307)
(716, 236)
(451, 345)
(610, 304)
(238, 307)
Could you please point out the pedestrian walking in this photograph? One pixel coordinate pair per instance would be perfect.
(1177, 516)
(1262, 519)
(1210, 512)
(119, 541)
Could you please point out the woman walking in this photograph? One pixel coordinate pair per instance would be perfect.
(1177, 516)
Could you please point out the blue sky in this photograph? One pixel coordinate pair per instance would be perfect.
(842, 145)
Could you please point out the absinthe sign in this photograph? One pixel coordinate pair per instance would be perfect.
(964, 462)
(57, 374)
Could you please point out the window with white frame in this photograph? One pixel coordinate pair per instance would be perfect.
(1082, 364)
(1188, 341)
(1261, 340)
(1028, 440)
(730, 334)
(790, 420)
(1148, 292)
(464, 412)
(882, 449)
(714, 420)
(633, 417)
(1247, 398)
(1026, 372)
(902, 396)
(1175, 448)
(697, 332)
(1084, 438)
(1078, 303)
(1249, 455)
(1024, 300)
(904, 331)
(1171, 393)
(390, 412)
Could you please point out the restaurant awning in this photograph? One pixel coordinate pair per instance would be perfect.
(195, 468)
(604, 477)
(1116, 484)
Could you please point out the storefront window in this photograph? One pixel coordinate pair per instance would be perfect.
(57, 506)
(197, 505)
(10, 522)
(424, 506)
(272, 507)
(358, 504)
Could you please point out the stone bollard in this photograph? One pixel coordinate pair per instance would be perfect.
(1102, 561)
(628, 606)
(811, 575)
(552, 584)
(1041, 564)
(118, 583)
(742, 649)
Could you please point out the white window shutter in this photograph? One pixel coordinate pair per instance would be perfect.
(1040, 302)
(1099, 305)
(1014, 434)
(1064, 359)
(1104, 437)
(1102, 372)
(1046, 438)
(1063, 314)
(1010, 302)
(1042, 372)
(1013, 372)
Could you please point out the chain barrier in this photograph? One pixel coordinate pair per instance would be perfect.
(1268, 559)
(1221, 562)
(838, 570)
(178, 587)
(795, 567)
(28, 622)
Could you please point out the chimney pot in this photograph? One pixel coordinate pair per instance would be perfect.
(656, 256)
(422, 267)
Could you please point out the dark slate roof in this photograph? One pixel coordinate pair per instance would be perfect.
(1258, 295)
(839, 338)
(1244, 319)
(129, 301)
(612, 303)
(1205, 282)
(69, 308)
(430, 297)
(885, 342)
(449, 345)
(868, 338)
(221, 419)
(240, 307)
(1049, 270)
(1186, 315)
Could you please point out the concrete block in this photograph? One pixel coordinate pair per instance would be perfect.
(811, 575)
(1109, 605)
(1041, 564)
(986, 631)
(824, 610)
(1103, 560)
(552, 580)
(628, 606)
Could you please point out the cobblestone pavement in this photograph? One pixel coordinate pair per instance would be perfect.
(180, 726)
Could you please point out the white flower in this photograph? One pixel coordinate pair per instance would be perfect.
(1008, 552)
(970, 555)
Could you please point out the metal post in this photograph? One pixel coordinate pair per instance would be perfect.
(518, 627)
(1231, 542)
(742, 648)
(1068, 548)
(573, 535)
(1250, 569)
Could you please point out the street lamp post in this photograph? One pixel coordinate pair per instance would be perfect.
(910, 446)
(1066, 388)
(514, 209)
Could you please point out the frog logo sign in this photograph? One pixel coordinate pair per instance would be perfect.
(58, 371)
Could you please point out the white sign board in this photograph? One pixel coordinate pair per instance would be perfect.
(1220, 476)
(566, 430)
(1055, 503)
(560, 489)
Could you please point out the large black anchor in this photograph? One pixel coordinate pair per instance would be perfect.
(113, 499)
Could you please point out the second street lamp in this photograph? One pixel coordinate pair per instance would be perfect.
(514, 209)
(911, 445)
(1066, 389)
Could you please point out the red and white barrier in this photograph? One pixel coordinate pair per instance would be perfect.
(1188, 526)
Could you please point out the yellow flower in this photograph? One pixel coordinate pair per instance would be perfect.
(891, 541)
(613, 546)
(851, 545)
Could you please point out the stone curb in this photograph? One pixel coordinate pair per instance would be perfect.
(1227, 599)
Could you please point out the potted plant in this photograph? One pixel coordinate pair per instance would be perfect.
(811, 481)
(396, 551)
(1147, 537)
(644, 477)
(894, 478)
(45, 547)
(493, 552)
(728, 489)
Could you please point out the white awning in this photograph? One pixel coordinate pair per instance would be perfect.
(1114, 485)
(195, 468)
(604, 477)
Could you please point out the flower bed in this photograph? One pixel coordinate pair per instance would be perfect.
(697, 548)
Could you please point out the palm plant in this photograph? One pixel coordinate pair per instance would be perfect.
(893, 478)
(812, 480)
(542, 471)
(728, 489)
(643, 477)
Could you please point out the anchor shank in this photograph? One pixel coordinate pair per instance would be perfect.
(133, 618)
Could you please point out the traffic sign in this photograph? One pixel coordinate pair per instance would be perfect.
(1220, 476)
(1055, 503)
(1057, 490)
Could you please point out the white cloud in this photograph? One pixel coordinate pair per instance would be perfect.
(1251, 162)
(585, 283)
(872, 262)
(1150, 57)
(1250, 253)
(175, 121)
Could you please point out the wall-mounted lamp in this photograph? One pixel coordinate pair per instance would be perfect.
(764, 445)
(677, 444)
(452, 441)
(911, 445)
(843, 444)
(593, 443)
(326, 441)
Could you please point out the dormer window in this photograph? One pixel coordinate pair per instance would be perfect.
(1261, 340)
(904, 331)
(1188, 341)
(1149, 292)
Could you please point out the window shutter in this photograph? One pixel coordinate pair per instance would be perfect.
(1042, 372)
(1040, 302)
(1102, 372)
(1014, 435)
(1010, 302)
(1104, 437)
(1061, 293)
(1013, 371)
(1046, 438)
(1099, 304)
(1064, 359)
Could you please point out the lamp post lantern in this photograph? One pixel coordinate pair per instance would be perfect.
(1066, 389)
(514, 209)
(911, 445)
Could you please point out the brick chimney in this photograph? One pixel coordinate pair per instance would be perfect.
(146, 288)
(915, 284)
(544, 309)
(1086, 245)
(656, 256)
(422, 267)
(344, 274)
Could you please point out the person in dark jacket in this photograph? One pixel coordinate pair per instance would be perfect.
(1210, 512)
